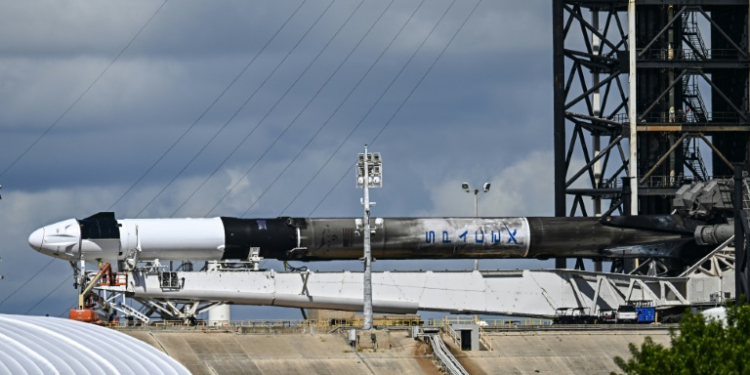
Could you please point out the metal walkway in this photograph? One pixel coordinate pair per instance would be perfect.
(449, 363)
(531, 293)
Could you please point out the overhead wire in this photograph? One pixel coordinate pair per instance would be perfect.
(196, 121)
(96, 80)
(403, 102)
(266, 115)
(346, 97)
(236, 112)
(184, 133)
(27, 281)
(48, 294)
(155, 163)
(263, 118)
(158, 160)
(57, 121)
(362, 119)
(85, 91)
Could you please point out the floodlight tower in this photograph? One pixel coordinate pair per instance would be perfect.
(486, 188)
(369, 174)
(466, 188)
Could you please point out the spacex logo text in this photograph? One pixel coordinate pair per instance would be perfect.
(479, 236)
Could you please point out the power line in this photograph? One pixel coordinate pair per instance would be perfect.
(238, 111)
(404, 101)
(66, 311)
(204, 112)
(256, 126)
(84, 92)
(163, 155)
(61, 117)
(342, 102)
(295, 119)
(245, 103)
(27, 281)
(266, 151)
(361, 120)
(48, 294)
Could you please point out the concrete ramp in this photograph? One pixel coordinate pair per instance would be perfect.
(232, 353)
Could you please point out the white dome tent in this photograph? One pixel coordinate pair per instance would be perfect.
(46, 345)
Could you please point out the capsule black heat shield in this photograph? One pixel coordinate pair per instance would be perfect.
(100, 226)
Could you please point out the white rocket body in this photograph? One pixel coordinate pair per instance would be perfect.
(167, 239)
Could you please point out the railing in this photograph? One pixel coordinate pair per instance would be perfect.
(484, 339)
(663, 54)
(496, 322)
(119, 279)
(448, 330)
(327, 324)
(681, 117)
(278, 323)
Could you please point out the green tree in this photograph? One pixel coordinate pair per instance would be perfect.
(699, 346)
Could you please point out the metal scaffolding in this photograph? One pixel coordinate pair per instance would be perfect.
(646, 134)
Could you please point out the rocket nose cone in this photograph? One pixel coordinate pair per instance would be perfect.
(36, 239)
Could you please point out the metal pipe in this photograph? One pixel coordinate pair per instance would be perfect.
(703, 12)
(739, 234)
(726, 98)
(716, 150)
(663, 158)
(662, 95)
(594, 160)
(643, 51)
(633, 170)
(559, 32)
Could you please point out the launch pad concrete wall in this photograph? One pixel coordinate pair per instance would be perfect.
(231, 353)
(556, 352)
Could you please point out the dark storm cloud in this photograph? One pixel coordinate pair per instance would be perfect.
(482, 114)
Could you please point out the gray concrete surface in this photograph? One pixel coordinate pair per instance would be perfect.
(232, 353)
(520, 352)
(559, 352)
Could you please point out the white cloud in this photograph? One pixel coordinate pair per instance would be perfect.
(524, 188)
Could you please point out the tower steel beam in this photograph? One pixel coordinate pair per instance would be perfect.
(668, 63)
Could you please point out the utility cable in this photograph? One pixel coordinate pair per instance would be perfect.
(403, 102)
(63, 115)
(276, 140)
(27, 281)
(206, 111)
(257, 124)
(48, 294)
(295, 119)
(361, 120)
(243, 106)
(163, 155)
(238, 111)
(346, 97)
(83, 93)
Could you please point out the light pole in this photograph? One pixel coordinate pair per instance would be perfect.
(369, 174)
(486, 188)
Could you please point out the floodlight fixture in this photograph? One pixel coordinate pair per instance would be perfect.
(465, 186)
(486, 187)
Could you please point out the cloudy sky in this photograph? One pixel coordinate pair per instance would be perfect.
(196, 108)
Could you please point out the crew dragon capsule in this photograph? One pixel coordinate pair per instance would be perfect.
(104, 238)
